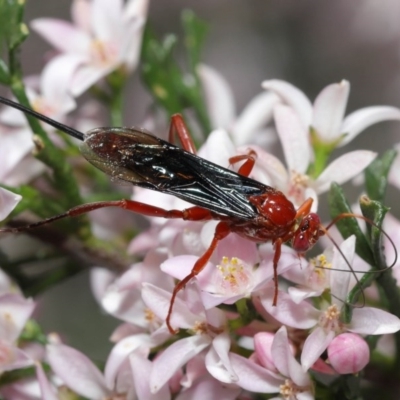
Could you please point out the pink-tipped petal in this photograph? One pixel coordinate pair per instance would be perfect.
(77, 371)
(344, 168)
(294, 97)
(218, 148)
(8, 201)
(329, 109)
(254, 117)
(62, 35)
(80, 13)
(174, 357)
(56, 80)
(254, 377)
(46, 390)
(141, 370)
(219, 97)
(294, 138)
(106, 19)
(120, 353)
(372, 321)
(314, 346)
(301, 316)
(361, 119)
(340, 277)
(88, 75)
(285, 361)
(217, 359)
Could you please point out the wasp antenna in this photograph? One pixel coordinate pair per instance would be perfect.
(372, 223)
(58, 125)
(325, 230)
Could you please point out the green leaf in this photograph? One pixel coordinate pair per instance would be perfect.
(375, 212)
(376, 175)
(4, 73)
(338, 205)
(174, 88)
(161, 73)
(195, 33)
(12, 29)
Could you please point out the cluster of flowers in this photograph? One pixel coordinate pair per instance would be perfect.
(276, 351)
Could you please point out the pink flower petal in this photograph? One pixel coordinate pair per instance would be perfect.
(269, 170)
(107, 19)
(12, 357)
(344, 168)
(302, 316)
(361, 119)
(174, 357)
(179, 267)
(141, 370)
(158, 300)
(80, 12)
(372, 321)
(88, 75)
(294, 97)
(253, 377)
(218, 95)
(77, 371)
(339, 280)
(314, 346)
(14, 313)
(46, 390)
(135, 9)
(217, 359)
(55, 83)
(62, 35)
(218, 148)
(120, 353)
(329, 109)
(294, 139)
(8, 202)
(256, 115)
(236, 246)
(209, 388)
(285, 361)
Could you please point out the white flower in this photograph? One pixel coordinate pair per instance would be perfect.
(107, 35)
(326, 115)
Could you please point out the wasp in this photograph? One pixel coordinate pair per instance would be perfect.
(241, 205)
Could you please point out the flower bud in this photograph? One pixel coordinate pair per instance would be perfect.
(348, 353)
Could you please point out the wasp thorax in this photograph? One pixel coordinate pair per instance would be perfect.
(277, 208)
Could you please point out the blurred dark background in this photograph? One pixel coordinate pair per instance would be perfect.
(308, 43)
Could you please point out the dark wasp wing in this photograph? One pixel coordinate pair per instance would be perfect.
(133, 155)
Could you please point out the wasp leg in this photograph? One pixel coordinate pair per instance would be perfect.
(221, 231)
(178, 127)
(190, 214)
(247, 167)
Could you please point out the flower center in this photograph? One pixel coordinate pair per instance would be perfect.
(151, 318)
(289, 390)
(102, 53)
(319, 271)
(329, 320)
(200, 328)
(234, 275)
(298, 182)
(41, 106)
